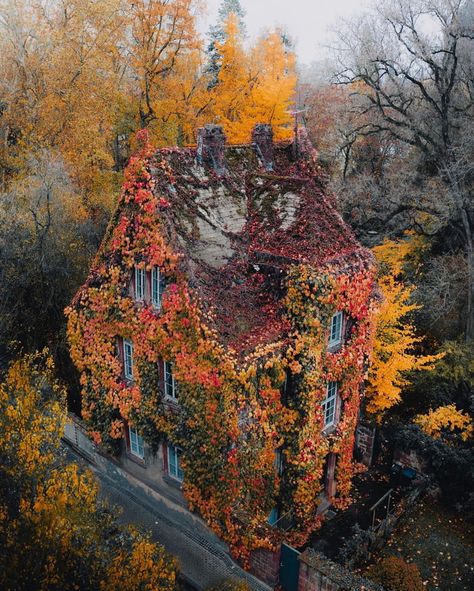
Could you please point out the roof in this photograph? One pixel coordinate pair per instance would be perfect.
(240, 230)
(239, 222)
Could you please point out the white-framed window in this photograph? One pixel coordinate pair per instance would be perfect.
(157, 287)
(330, 404)
(137, 447)
(128, 359)
(139, 284)
(171, 387)
(335, 331)
(174, 463)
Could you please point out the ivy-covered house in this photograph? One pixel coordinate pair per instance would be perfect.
(224, 332)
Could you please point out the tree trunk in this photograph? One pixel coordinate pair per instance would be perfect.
(470, 276)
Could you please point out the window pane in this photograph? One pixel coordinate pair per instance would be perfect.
(141, 446)
(174, 464)
(156, 287)
(335, 333)
(179, 474)
(137, 446)
(172, 460)
(139, 284)
(329, 404)
(171, 389)
(128, 359)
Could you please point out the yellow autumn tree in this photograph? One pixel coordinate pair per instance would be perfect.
(32, 417)
(273, 94)
(394, 352)
(162, 33)
(232, 93)
(444, 419)
(54, 532)
(184, 104)
(253, 87)
(63, 87)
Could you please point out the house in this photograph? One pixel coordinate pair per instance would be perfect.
(223, 334)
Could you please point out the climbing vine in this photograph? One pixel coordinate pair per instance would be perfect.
(234, 412)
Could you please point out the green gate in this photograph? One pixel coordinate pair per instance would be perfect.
(289, 568)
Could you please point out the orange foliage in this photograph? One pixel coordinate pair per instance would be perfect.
(396, 339)
(255, 88)
(446, 418)
(232, 414)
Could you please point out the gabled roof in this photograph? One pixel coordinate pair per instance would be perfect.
(239, 218)
(241, 229)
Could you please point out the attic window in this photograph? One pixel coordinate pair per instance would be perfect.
(139, 284)
(335, 331)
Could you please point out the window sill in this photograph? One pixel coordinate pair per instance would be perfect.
(335, 347)
(136, 459)
(329, 430)
(172, 403)
(174, 482)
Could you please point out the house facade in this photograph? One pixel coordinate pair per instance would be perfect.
(224, 332)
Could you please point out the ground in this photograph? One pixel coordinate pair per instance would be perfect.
(440, 543)
(369, 487)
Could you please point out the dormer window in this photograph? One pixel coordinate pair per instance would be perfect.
(335, 331)
(157, 287)
(128, 359)
(171, 387)
(139, 284)
(330, 404)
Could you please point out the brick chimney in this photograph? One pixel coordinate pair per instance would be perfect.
(211, 147)
(262, 140)
(302, 145)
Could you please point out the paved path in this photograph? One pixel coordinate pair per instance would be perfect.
(203, 557)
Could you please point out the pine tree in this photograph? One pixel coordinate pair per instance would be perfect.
(217, 36)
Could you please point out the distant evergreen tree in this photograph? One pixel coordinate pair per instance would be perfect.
(217, 35)
(228, 7)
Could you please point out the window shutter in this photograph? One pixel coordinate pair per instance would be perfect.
(164, 449)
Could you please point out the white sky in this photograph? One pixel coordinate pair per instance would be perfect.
(307, 21)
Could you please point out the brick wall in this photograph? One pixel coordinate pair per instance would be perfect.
(265, 565)
(318, 573)
(410, 459)
(311, 579)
